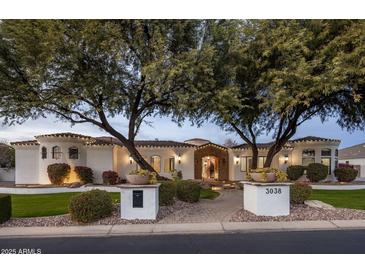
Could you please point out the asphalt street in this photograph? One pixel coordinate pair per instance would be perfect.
(333, 241)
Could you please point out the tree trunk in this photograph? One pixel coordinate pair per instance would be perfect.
(255, 155)
(270, 155)
(129, 144)
(137, 157)
(277, 146)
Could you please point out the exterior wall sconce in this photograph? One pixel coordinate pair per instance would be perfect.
(286, 158)
(179, 159)
(130, 159)
(237, 160)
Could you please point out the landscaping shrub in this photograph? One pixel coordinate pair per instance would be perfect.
(299, 192)
(295, 172)
(90, 206)
(57, 173)
(346, 174)
(110, 177)
(317, 172)
(188, 191)
(85, 174)
(167, 193)
(176, 175)
(5, 208)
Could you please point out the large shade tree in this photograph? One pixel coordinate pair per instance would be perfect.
(89, 71)
(273, 75)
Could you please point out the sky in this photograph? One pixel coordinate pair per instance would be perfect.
(164, 129)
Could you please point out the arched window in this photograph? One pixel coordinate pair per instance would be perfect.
(56, 152)
(156, 163)
(73, 153)
(308, 157)
(44, 153)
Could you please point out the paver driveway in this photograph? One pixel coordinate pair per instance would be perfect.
(209, 211)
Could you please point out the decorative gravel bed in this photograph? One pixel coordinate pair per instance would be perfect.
(65, 220)
(303, 213)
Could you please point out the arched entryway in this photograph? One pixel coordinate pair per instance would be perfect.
(210, 169)
(211, 162)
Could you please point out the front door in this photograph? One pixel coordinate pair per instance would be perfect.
(210, 168)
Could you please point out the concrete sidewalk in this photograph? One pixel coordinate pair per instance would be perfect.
(188, 228)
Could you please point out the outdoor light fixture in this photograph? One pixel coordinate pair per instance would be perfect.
(179, 159)
(286, 158)
(237, 160)
(130, 159)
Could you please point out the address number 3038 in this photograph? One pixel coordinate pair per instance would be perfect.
(273, 190)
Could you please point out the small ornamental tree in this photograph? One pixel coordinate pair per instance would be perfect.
(167, 193)
(188, 191)
(90, 206)
(300, 192)
(345, 174)
(295, 172)
(110, 177)
(317, 172)
(85, 174)
(57, 173)
(5, 208)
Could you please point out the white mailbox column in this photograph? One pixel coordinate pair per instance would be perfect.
(266, 199)
(139, 202)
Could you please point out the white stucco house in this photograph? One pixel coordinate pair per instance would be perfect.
(196, 158)
(355, 156)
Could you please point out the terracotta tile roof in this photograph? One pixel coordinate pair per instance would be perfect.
(298, 140)
(161, 143)
(259, 145)
(212, 144)
(353, 152)
(139, 143)
(65, 134)
(25, 143)
(314, 139)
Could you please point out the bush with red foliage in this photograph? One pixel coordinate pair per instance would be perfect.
(110, 177)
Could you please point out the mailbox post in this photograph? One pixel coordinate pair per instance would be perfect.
(139, 201)
(266, 199)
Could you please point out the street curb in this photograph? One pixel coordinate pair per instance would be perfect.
(183, 228)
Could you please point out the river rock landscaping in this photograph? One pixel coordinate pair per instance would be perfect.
(302, 213)
(114, 219)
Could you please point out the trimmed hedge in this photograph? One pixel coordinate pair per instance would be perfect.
(295, 172)
(5, 208)
(91, 206)
(57, 173)
(167, 193)
(317, 172)
(345, 174)
(300, 192)
(110, 177)
(85, 174)
(188, 191)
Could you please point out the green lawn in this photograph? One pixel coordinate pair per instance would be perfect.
(44, 204)
(37, 205)
(208, 194)
(341, 198)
